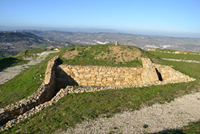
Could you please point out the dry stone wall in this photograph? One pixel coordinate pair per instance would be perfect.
(117, 76)
(44, 93)
(98, 75)
(170, 75)
(96, 78)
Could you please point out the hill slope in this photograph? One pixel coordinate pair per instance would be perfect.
(19, 36)
(12, 43)
(76, 108)
(142, 41)
(104, 55)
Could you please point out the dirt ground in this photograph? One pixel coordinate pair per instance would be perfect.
(121, 54)
(151, 119)
(118, 53)
(11, 72)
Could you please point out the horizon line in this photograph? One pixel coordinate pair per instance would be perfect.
(102, 30)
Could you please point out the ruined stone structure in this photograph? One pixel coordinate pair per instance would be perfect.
(44, 93)
(116, 43)
(60, 81)
(76, 75)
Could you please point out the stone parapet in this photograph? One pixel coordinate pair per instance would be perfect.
(97, 75)
(76, 75)
(44, 93)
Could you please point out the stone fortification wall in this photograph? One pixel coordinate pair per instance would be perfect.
(103, 78)
(170, 75)
(117, 76)
(97, 75)
(44, 93)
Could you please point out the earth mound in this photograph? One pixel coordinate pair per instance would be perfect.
(108, 55)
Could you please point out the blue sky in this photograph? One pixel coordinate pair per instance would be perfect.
(181, 17)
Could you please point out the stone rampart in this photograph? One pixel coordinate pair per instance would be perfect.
(116, 76)
(170, 75)
(96, 78)
(44, 93)
(97, 75)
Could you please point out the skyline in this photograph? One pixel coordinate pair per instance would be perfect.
(156, 17)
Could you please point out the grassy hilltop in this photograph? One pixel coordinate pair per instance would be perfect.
(28, 81)
(75, 108)
(103, 55)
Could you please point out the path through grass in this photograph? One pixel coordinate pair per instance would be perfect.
(176, 56)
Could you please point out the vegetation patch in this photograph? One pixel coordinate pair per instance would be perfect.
(24, 84)
(30, 53)
(176, 56)
(11, 61)
(103, 55)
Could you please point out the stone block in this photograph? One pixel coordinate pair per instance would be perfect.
(84, 84)
(99, 79)
(118, 83)
(101, 73)
(110, 79)
(104, 80)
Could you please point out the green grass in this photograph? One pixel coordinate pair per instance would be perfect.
(18, 59)
(76, 108)
(176, 56)
(192, 128)
(11, 61)
(162, 50)
(30, 52)
(87, 57)
(24, 84)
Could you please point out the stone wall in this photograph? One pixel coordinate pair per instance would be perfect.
(96, 78)
(44, 93)
(170, 75)
(116, 76)
(97, 75)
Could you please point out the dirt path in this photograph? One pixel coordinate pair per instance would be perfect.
(156, 118)
(11, 72)
(190, 61)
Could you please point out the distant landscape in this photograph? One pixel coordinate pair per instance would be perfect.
(13, 42)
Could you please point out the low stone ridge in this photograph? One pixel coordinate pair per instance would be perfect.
(44, 93)
(94, 78)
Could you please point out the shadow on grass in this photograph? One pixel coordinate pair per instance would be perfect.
(8, 62)
(171, 131)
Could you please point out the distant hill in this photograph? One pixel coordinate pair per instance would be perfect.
(19, 36)
(13, 42)
(142, 41)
